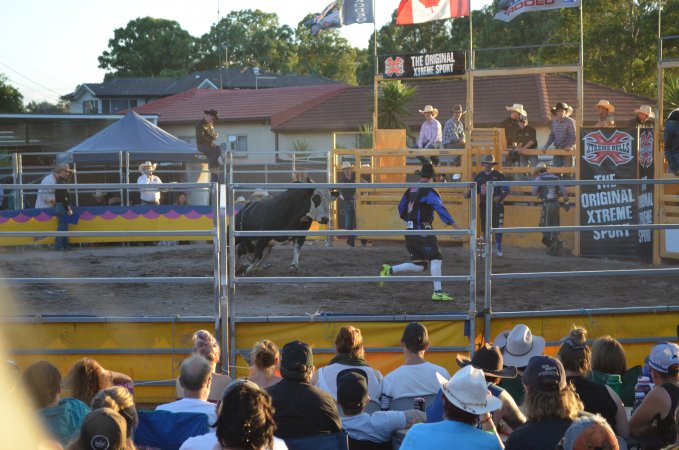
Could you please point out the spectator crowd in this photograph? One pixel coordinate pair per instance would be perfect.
(507, 394)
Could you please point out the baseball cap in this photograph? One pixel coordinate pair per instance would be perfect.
(545, 373)
(352, 388)
(103, 429)
(296, 356)
(664, 357)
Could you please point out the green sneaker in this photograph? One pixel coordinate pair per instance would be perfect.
(440, 296)
(385, 272)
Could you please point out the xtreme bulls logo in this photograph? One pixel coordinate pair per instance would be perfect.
(394, 66)
(617, 148)
(646, 148)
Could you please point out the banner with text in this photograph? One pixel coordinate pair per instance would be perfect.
(645, 195)
(423, 64)
(357, 11)
(608, 154)
(509, 9)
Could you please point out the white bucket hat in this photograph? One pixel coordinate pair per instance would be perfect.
(148, 164)
(468, 390)
(645, 109)
(519, 345)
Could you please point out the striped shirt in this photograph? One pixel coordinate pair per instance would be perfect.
(453, 131)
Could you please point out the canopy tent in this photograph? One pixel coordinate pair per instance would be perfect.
(134, 135)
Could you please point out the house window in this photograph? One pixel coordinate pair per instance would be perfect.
(90, 107)
(236, 143)
(115, 105)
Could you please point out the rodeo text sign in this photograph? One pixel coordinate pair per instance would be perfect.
(608, 154)
(423, 64)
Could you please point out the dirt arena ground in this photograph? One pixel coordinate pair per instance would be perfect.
(145, 299)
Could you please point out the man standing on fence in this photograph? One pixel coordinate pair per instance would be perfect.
(430, 134)
(562, 133)
(206, 140)
(417, 208)
(497, 197)
(549, 216)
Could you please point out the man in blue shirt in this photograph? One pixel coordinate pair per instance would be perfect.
(417, 208)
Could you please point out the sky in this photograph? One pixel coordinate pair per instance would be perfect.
(48, 47)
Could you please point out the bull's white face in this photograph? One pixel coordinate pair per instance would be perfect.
(320, 206)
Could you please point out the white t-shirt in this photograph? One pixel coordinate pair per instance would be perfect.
(375, 427)
(192, 405)
(413, 380)
(149, 194)
(45, 196)
(327, 379)
(208, 441)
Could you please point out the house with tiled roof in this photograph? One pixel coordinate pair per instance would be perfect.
(268, 124)
(123, 93)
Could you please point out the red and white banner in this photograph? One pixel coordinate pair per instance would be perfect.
(509, 9)
(420, 11)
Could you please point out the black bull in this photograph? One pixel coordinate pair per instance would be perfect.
(294, 209)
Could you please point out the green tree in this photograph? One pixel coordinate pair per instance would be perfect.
(46, 107)
(149, 47)
(250, 39)
(11, 100)
(393, 103)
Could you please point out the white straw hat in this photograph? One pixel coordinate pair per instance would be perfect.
(148, 164)
(430, 109)
(645, 109)
(606, 104)
(346, 165)
(468, 390)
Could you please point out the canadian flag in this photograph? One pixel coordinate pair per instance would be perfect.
(419, 11)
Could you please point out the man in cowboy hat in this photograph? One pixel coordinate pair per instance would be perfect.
(206, 140)
(430, 134)
(417, 208)
(526, 139)
(467, 404)
(645, 117)
(498, 197)
(606, 110)
(489, 359)
(453, 132)
(348, 196)
(549, 216)
(149, 196)
(511, 123)
(59, 199)
(562, 133)
(671, 141)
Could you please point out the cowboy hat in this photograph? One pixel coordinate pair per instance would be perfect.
(541, 167)
(430, 109)
(212, 112)
(427, 170)
(346, 165)
(489, 359)
(148, 164)
(565, 106)
(488, 159)
(58, 167)
(458, 109)
(259, 193)
(517, 107)
(100, 194)
(240, 199)
(467, 390)
(645, 109)
(605, 104)
(519, 345)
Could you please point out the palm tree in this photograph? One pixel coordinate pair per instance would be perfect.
(393, 100)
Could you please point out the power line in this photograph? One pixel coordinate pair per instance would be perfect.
(31, 80)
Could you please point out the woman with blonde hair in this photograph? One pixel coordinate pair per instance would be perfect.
(350, 355)
(87, 377)
(597, 399)
(265, 360)
(121, 401)
(205, 345)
